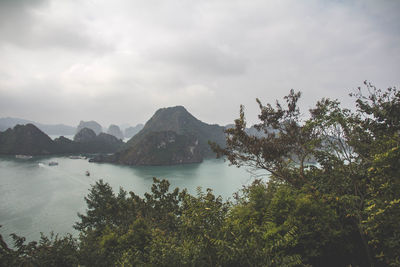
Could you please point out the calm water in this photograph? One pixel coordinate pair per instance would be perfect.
(35, 197)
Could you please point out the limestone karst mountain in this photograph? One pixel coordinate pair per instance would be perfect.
(171, 136)
(30, 140)
(115, 131)
(89, 142)
(96, 127)
(26, 140)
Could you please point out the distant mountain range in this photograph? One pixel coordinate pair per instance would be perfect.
(57, 129)
(115, 131)
(30, 140)
(171, 136)
(62, 129)
(93, 125)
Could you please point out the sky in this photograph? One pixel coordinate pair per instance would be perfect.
(119, 61)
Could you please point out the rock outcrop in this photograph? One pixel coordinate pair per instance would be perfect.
(91, 125)
(115, 131)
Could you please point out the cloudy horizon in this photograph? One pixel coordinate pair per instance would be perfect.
(117, 62)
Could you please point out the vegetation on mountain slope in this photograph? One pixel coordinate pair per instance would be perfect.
(179, 120)
(163, 148)
(171, 136)
(25, 139)
(29, 140)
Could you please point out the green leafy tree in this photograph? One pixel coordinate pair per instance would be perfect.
(49, 251)
(341, 168)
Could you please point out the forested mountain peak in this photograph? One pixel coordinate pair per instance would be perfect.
(193, 136)
(177, 119)
(25, 139)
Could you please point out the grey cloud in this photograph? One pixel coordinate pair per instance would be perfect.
(118, 61)
(9, 9)
(17, 18)
(22, 24)
(69, 37)
(200, 58)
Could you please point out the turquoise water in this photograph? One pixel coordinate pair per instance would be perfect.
(35, 197)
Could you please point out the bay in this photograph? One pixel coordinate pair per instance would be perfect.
(36, 197)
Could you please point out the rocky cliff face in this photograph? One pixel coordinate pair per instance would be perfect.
(91, 125)
(115, 131)
(163, 148)
(26, 140)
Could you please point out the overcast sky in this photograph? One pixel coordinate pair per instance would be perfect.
(119, 61)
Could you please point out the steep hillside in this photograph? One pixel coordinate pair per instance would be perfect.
(88, 142)
(179, 120)
(171, 136)
(27, 140)
(162, 148)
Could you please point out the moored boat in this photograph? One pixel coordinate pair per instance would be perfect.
(23, 156)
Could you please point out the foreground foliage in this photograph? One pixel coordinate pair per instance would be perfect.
(333, 199)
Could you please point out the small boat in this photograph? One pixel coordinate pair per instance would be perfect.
(87, 173)
(23, 156)
(75, 157)
(53, 163)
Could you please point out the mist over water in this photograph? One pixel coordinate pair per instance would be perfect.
(35, 197)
